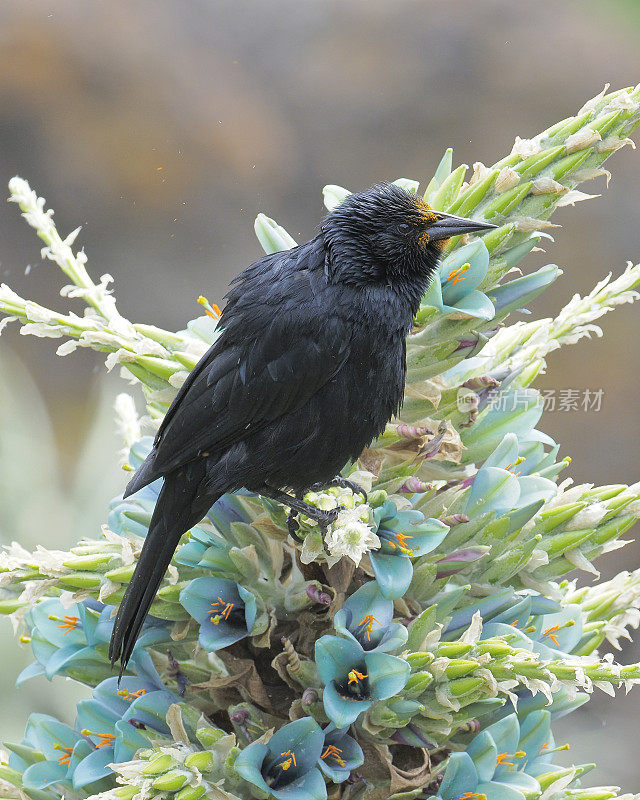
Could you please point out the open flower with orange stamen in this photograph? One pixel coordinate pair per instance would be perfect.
(340, 754)
(286, 767)
(354, 679)
(460, 274)
(367, 618)
(225, 610)
(72, 640)
(403, 535)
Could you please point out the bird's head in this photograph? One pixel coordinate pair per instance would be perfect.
(388, 236)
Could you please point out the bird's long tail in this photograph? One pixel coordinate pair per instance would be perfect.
(177, 509)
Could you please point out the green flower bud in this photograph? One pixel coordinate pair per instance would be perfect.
(171, 781)
(159, 764)
(191, 792)
(202, 761)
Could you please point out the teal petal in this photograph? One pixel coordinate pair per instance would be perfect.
(249, 762)
(43, 775)
(64, 631)
(484, 753)
(535, 732)
(393, 573)
(387, 674)
(460, 776)
(350, 753)
(533, 489)
(499, 791)
(476, 304)
(433, 295)
(200, 593)
(505, 733)
(426, 536)
(309, 787)
(304, 737)
(128, 741)
(521, 291)
(457, 281)
(335, 656)
(505, 453)
(43, 732)
(32, 671)
(93, 767)
(340, 710)
(493, 489)
(250, 607)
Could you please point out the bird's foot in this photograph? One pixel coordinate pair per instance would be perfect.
(343, 483)
(323, 518)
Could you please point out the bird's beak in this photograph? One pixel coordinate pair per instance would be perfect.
(448, 225)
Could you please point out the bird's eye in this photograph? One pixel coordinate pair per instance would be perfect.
(403, 227)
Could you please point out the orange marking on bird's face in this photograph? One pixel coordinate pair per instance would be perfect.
(427, 215)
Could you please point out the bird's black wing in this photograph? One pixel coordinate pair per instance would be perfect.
(281, 342)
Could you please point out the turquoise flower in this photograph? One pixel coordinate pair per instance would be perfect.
(551, 635)
(113, 719)
(206, 550)
(367, 618)
(459, 276)
(225, 610)
(74, 640)
(500, 487)
(287, 766)
(505, 604)
(354, 678)
(108, 728)
(48, 754)
(503, 761)
(340, 754)
(403, 535)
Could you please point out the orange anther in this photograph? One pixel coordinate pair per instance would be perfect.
(355, 676)
(289, 761)
(457, 275)
(368, 623)
(65, 758)
(334, 752)
(551, 633)
(69, 624)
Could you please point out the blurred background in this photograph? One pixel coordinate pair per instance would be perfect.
(164, 127)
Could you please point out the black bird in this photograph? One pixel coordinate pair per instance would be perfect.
(309, 368)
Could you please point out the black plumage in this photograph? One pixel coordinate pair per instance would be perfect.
(308, 369)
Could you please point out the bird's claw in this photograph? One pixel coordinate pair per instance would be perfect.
(343, 483)
(292, 525)
(323, 518)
